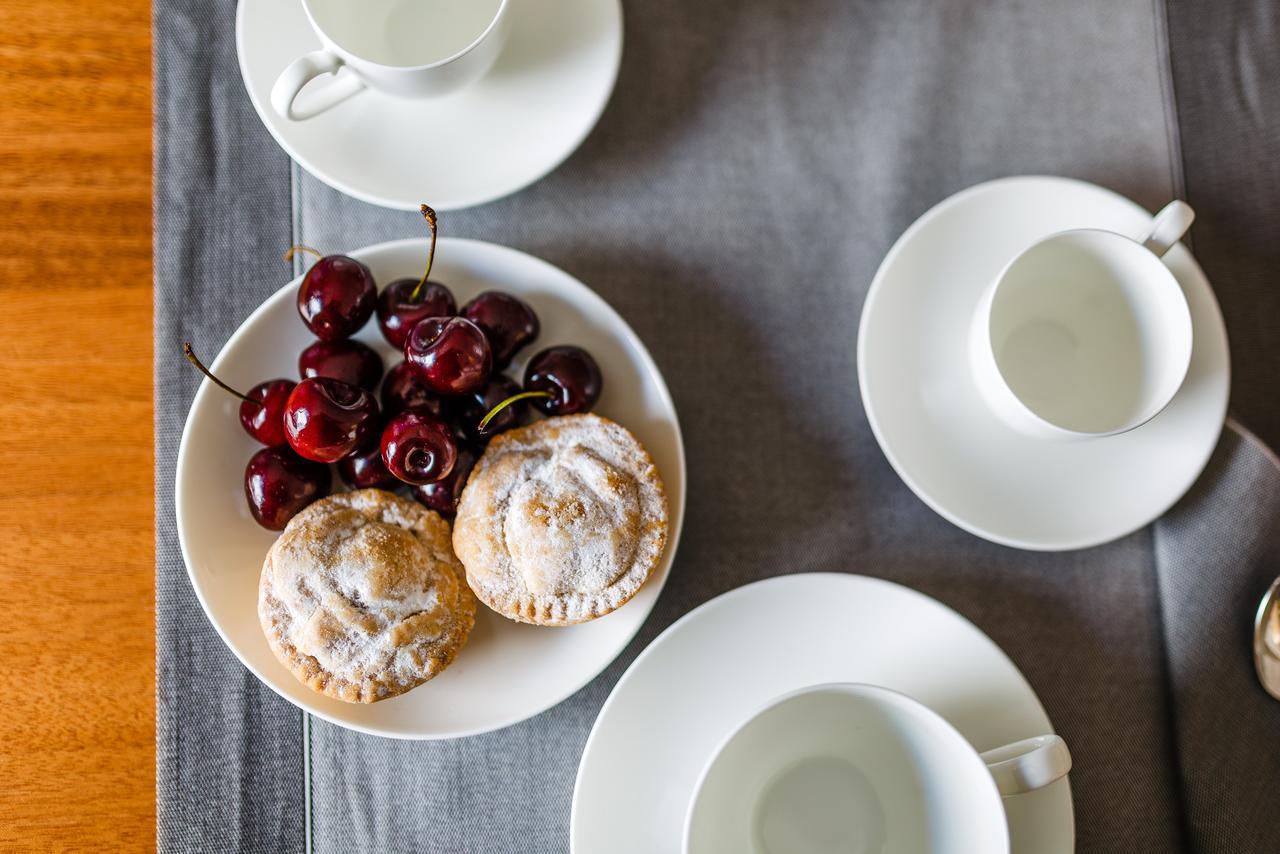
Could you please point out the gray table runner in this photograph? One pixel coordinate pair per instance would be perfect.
(756, 161)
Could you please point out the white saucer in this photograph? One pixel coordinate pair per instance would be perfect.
(530, 112)
(507, 671)
(940, 437)
(718, 664)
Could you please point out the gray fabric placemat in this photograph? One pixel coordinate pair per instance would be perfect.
(1225, 77)
(756, 161)
(229, 763)
(1218, 551)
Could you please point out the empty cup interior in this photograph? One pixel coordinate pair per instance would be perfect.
(1091, 332)
(830, 772)
(404, 33)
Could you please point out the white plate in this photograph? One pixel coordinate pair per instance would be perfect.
(507, 671)
(531, 111)
(721, 662)
(929, 418)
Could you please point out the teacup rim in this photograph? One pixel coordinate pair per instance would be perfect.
(334, 44)
(846, 688)
(1167, 279)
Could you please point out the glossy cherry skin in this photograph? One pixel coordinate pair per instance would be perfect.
(364, 469)
(337, 296)
(397, 314)
(278, 483)
(418, 448)
(403, 389)
(442, 496)
(451, 354)
(350, 361)
(264, 419)
(326, 419)
(570, 374)
(508, 322)
(472, 408)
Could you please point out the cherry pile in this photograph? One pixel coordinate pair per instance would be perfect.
(439, 406)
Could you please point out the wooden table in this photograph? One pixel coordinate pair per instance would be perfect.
(77, 724)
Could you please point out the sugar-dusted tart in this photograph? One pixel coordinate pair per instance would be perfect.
(561, 521)
(362, 598)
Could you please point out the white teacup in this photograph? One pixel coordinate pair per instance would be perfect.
(858, 769)
(1086, 333)
(412, 48)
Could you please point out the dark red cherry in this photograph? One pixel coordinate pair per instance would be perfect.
(261, 410)
(451, 354)
(569, 375)
(350, 361)
(418, 448)
(262, 415)
(406, 301)
(472, 408)
(442, 496)
(399, 309)
(326, 419)
(337, 296)
(403, 389)
(364, 468)
(278, 483)
(508, 322)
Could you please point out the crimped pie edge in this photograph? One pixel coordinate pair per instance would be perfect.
(564, 609)
(440, 655)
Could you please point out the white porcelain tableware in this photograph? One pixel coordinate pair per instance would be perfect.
(507, 671)
(716, 666)
(519, 121)
(1266, 640)
(411, 48)
(1085, 333)
(936, 428)
(846, 768)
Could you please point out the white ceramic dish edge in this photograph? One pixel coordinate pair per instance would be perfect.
(898, 247)
(652, 648)
(207, 388)
(454, 204)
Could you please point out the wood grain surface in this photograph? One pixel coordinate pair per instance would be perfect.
(77, 730)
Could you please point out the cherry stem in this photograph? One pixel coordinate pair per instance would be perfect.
(191, 357)
(430, 216)
(524, 395)
(294, 250)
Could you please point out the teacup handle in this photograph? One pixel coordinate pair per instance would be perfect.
(1170, 224)
(302, 71)
(1027, 765)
